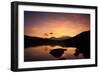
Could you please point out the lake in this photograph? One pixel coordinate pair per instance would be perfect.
(42, 53)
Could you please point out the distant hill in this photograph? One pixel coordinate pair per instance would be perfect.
(36, 41)
(82, 38)
(60, 38)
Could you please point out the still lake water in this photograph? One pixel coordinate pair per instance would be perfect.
(42, 53)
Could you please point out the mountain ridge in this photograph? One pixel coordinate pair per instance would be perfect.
(83, 37)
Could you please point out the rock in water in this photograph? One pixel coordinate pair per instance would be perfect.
(57, 52)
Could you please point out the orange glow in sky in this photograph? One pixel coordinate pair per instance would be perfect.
(46, 25)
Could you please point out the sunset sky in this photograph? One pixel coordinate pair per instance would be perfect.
(51, 24)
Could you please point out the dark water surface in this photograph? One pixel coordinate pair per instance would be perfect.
(42, 53)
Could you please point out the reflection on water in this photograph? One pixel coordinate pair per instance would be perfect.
(42, 53)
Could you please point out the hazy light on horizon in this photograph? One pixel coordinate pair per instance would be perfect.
(41, 24)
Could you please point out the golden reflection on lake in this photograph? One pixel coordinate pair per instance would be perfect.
(42, 53)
